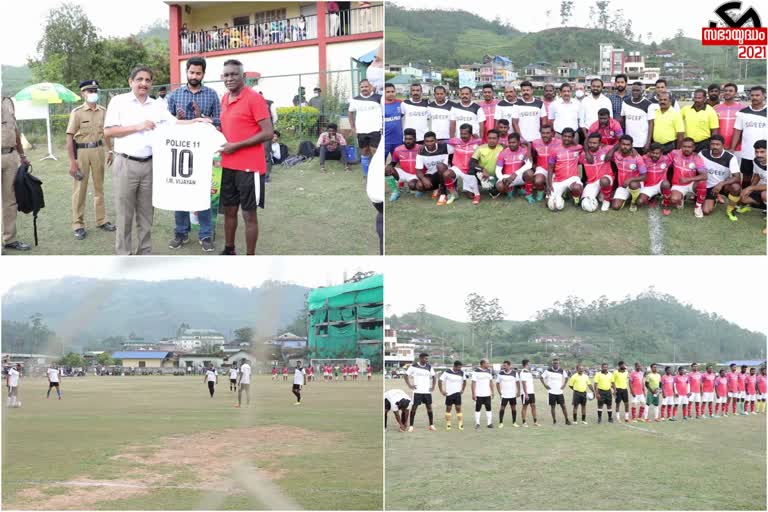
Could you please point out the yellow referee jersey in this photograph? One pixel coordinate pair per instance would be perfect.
(603, 381)
(579, 382)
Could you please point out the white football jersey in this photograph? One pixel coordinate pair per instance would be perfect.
(182, 166)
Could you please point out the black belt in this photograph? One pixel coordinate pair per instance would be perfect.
(87, 145)
(8, 150)
(136, 158)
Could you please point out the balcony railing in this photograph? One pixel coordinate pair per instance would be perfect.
(361, 20)
(249, 36)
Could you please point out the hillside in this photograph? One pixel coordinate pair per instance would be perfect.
(81, 310)
(409, 39)
(15, 78)
(649, 326)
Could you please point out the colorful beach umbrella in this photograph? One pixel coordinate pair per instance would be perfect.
(49, 92)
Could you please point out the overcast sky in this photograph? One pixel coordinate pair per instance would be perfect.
(21, 30)
(660, 17)
(244, 272)
(531, 283)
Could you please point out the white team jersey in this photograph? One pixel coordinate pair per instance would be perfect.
(13, 375)
(482, 379)
(440, 119)
(421, 377)
(526, 379)
(452, 381)
(471, 114)
(245, 374)
(760, 171)
(721, 168)
(394, 396)
(752, 125)
(564, 115)
(427, 160)
(555, 380)
(53, 374)
(508, 382)
(211, 375)
(182, 166)
(529, 115)
(233, 373)
(298, 376)
(368, 113)
(636, 117)
(504, 110)
(590, 106)
(416, 116)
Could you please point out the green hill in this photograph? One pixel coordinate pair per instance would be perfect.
(15, 78)
(648, 327)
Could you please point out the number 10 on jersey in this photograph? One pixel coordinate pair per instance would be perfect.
(181, 163)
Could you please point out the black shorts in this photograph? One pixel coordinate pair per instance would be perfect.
(238, 188)
(453, 399)
(757, 197)
(422, 398)
(669, 146)
(579, 398)
(556, 399)
(511, 401)
(434, 179)
(483, 401)
(53, 384)
(747, 169)
(701, 145)
(365, 140)
(622, 395)
(712, 196)
(604, 397)
(640, 150)
(233, 381)
(297, 387)
(531, 399)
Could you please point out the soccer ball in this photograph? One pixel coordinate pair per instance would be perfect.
(589, 204)
(18, 404)
(486, 184)
(556, 203)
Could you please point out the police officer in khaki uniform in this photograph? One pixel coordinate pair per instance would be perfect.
(85, 145)
(13, 155)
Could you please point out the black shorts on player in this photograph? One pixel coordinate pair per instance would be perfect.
(53, 385)
(422, 398)
(483, 400)
(297, 387)
(556, 399)
(747, 169)
(531, 399)
(434, 179)
(511, 401)
(453, 399)
(604, 397)
(238, 188)
(757, 197)
(579, 398)
(367, 140)
(233, 381)
(622, 395)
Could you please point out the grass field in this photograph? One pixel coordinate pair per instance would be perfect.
(503, 226)
(306, 213)
(635, 466)
(160, 443)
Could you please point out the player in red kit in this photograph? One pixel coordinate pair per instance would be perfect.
(402, 166)
(694, 379)
(489, 109)
(541, 149)
(513, 167)
(274, 373)
(630, 174)
(285, 373)
(563, 173)
(369, 371)
(689, 176)
(721, 390)
(597, 169)
(681, 392)
(637, 389)
(751, 391)
(667, 394)
(762, 382)
(741, 380)
(733, 388)
(462, 147)
(657, 166)
(708, 390)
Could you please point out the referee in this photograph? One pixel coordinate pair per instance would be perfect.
(604, 384)
(579, 383)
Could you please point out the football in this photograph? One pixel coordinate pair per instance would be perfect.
(589, 204)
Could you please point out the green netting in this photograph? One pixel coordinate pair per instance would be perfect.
(374, 333)
(369, 290)
(370, 311)
(341, 315)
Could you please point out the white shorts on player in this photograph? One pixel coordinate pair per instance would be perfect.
(681, 400)
(761, 397)
(541, 170)
(721, 400)
(621, 193)
(517, 182)
(684, 189)
(652, 191)
(592, 190)
(667, 400)
(405, 177)
(695, 398)
(559, 188)
(638, 399)
(743, 395)
(708, 398)
(751, 398)
(469, 183)
(733, 394)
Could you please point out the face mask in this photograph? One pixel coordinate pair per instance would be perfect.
(579, 93)
(92, 97)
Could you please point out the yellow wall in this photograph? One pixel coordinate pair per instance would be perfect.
(210, 15)
(150, 363)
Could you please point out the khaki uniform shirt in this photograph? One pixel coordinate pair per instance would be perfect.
(9, 124)
(86, 124)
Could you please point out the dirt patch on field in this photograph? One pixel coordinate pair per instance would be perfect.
(166, 465)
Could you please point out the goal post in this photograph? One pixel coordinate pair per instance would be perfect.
(361, 363)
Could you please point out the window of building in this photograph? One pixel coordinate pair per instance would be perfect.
(241, 20)
(271, 15)
(142, 364)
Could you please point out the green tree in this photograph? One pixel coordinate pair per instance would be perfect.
(450, 77)
(244, 335)
(114, 59)
(72, 359)
(104, 359)
(566, 11)
(602, 13)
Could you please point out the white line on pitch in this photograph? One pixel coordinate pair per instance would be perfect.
(655, 231)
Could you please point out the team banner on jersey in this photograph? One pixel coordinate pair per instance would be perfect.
(183, 166)
(467, 78)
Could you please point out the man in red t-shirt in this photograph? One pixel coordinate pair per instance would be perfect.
(246, 123)
(689, 176)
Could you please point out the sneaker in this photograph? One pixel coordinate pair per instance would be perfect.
(477, 426)
(297, 403)
(418, 193)
(599, 420)
(435, 193)
(685, 418)
(536, 424)
(207, 245)
(744, 209)
(228, 251)
(525, 425)
(610, 420)
(432, 428)
(410, 429)
(442, 200)
(107, 226)
(448, 427)
(731, 216)
(17, 246)
(79, 234)
(177, 242)
(530, 199)
(514, 425)
(606, 206)
(394, 196)
(461, 426)
(633, 208)
(452, 198)
(539, 195)
(237, 406)
(671, 419)
(657, 420)
(698, 212)
(568, 422)
(584, 422)
(490, 426)
(476, 199)
(501, 425)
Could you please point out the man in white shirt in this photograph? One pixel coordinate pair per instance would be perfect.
(298, 381)
(129, 122)
(211, 377)
(591, 105)
(508, 386)
(244, 380)
(423, 379)
(452, 384)
(527, 392)
(554, 380)
(366, 119)
(395, 400)
(233, 378)
(482, 392)
(53, 381)
(12, 381)
(564, 112)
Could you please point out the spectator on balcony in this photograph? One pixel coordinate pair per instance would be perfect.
(365, 17)
(333, 18)
(275, 31)
(184, 36)
(225, 36)
(302, 27)
(235, 37)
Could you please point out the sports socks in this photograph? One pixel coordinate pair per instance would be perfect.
(634, 193)
(431, 417)
(460, 418)
(489, 417)
(392, 182)
(365, 162)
